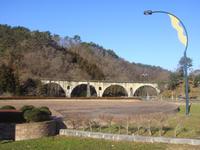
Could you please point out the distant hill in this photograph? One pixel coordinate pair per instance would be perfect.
(34, 54)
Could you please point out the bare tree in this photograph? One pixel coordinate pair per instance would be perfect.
(84, 122)
(161, 119)
(148, 119)
(109, 120)
(102, 122)
(179, 125)
(91, 123)
(128, 119)
(139, 121)
(75, 121)
(120, 123)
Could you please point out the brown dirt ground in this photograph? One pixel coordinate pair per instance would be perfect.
(94, 108)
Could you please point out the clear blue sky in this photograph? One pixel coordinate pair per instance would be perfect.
(115, 24)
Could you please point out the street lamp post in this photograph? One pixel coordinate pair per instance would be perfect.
(150, 12)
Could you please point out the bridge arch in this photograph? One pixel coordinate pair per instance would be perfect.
(146, 91)
(53, 90)
(81, 90)
(100, 87)
(115, 90)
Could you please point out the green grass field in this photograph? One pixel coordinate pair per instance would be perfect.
(74, 143)
(190, 124)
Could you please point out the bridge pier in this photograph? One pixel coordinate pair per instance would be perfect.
(131, 93)
(67, 93)
(88, 90)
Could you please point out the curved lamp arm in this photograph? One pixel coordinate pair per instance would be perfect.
(150, 12)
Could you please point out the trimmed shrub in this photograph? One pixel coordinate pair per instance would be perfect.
(8, 107)
(26, 107)
(36, 115)
(45, 109)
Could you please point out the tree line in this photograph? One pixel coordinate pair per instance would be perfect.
(35, 55)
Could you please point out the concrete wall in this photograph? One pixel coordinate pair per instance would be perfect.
(118, 137)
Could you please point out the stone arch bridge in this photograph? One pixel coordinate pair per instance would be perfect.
(101, 86)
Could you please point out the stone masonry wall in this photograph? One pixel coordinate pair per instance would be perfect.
(34, 130)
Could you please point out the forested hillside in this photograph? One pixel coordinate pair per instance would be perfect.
(36, 55)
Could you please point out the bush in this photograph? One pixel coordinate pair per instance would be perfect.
(27, 113)
(45, 109)
(27, 107)
(37, 115)
(8, 107)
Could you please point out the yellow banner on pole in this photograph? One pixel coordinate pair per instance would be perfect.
(176, 25)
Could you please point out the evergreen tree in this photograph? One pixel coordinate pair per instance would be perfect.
(173, 81)
(8, 80)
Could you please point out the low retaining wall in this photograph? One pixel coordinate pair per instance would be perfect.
(34, 130)
(27, 131)
(134, 138)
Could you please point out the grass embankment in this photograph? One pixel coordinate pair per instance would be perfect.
(185, 126)
(189, 126)
(74, 143)
(191, 123)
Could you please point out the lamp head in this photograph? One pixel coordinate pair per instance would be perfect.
(148, 12)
